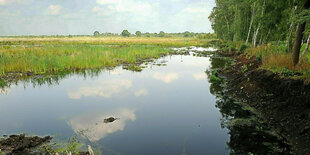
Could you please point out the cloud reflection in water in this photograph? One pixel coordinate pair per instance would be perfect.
(141, 92)
(106, 88)
(92, 126)
(166, 77)
(199, 76)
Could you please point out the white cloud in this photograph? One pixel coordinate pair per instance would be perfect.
(96, 9)
(166, 77)
(196, 10)
(117, 71)
(53, 9)
(194, 17)
(106, 88)
(199, 76)
(138, 13)
(125, 5)
(92, 125)
(141, 92)
(101, 11)
(106, 2)
(115, 16)
(7, 2)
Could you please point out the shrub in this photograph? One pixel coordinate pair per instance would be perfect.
(138, 33)
(96, 33)
(259, 57)
(243, 47)
(215, 79)
(231, 48)
(161, 34)
(125, 33)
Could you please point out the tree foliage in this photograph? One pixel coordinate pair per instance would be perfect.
(257, 21)
(262, 21)
(96, 33)
(138, 33)
(161, 34)
(126, 33)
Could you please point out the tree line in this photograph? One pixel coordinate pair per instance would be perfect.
(263, 21)
(126, 33)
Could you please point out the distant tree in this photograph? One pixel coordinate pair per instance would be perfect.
(148, 34)
(125, 33)
(162, 34)
(187, 34)
(96, 33)
(138, 33)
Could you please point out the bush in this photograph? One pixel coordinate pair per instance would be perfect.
(138, 33)
(161, 34)
(231, 48)
(243, 47)
(259, 57)
(125, 33)
(215, 79)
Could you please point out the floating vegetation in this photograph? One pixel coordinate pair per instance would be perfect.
(133, 68)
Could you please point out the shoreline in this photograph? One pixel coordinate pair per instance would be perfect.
(283, 104)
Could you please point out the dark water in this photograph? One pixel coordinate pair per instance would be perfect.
(161, 110)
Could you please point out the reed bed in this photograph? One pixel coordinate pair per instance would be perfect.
(164, 41)
(275, 58)
(57, 58)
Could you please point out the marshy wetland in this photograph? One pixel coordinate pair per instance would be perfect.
(135, 99)
(165, 108)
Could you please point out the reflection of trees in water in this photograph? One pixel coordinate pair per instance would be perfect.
(248, 133)
(50, 80)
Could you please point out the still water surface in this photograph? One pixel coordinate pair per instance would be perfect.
(161, 110)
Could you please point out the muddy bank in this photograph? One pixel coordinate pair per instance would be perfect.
(21, 144)
(282, 104)
(33, 145)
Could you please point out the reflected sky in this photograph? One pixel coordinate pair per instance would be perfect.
(166, 77)
(162, 110)
(92, 126)
(105, 88)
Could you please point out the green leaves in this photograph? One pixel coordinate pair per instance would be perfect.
(303, 16)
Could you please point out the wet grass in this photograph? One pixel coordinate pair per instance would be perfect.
(158, 41)
(276, 59)
(40, 55)
(58, 58)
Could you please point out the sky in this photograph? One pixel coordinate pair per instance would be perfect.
(83, 17)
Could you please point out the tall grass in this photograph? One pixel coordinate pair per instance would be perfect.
(276, 58)
(167, 42)
(56, 58)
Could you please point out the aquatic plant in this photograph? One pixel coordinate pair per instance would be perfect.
(73, 146)
(53, 59)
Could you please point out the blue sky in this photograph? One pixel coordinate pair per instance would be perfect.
(63, 17)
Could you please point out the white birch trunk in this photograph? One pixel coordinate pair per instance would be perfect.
(252, 18)
(306, 49)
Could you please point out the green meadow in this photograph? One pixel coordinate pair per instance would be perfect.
(51, 55)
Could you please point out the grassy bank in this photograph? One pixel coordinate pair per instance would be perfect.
(41, 55)
(275, 58)
(56, 58)
(158, 41)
